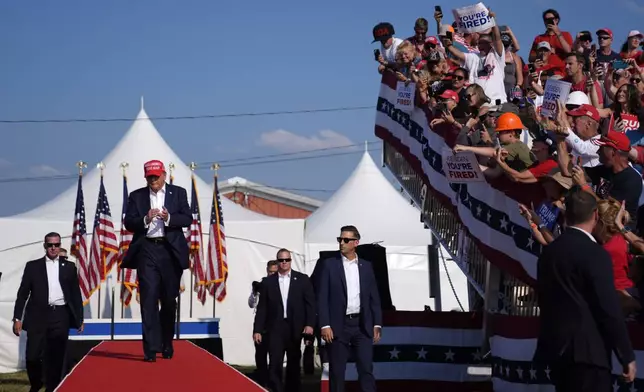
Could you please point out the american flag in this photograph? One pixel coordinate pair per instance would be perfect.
(195, 243)
(129, 280)
(104, 249)
(79, 243)
(216, 264)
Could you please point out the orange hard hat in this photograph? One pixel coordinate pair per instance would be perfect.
(509, 122)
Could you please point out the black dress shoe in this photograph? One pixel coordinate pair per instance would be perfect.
(167, 354)
(150, 358)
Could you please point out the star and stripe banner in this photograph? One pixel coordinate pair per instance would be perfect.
(513, 343)
(129, 281)
(194, 236)
(489, 211)
(104, 249)
(217, 262)
(78, 247)
(425, 351)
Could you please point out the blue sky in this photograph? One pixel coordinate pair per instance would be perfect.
(80, 59)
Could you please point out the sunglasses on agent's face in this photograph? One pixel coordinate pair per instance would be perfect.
(284, 260)
(52, 245)
(345, 240)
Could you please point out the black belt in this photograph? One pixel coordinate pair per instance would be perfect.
(352, 315)
(56, 307)
(156, 240)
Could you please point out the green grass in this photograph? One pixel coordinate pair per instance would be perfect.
(18, 382)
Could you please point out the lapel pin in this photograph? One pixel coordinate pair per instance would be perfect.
(295, 278)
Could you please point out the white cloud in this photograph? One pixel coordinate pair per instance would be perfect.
(44, 170)
(286, 141)
(633, 5)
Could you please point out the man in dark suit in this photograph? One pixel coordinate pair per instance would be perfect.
(157, 214)
(285, 312)
(580, 315)
(54, 306)
(261, 349)
(349, 312)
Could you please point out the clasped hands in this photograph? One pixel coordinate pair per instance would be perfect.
(155, 212)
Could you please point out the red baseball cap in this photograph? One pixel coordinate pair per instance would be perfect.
(431, 40)
(153, 168)
(617, 140)
(449, 94)
(605, 30)
(585, 110)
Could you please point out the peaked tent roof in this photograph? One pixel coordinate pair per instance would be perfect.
(141, 143)
(369, 202)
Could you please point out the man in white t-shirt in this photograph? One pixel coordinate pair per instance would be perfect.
(487, 67)
(384, 33)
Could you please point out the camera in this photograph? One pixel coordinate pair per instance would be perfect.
(376, 54)
(256, 287)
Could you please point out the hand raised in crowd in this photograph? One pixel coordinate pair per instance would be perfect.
(619, 125)
(501, 154)
(619, 218)
(578, 175)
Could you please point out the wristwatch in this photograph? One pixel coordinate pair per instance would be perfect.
(624, 230)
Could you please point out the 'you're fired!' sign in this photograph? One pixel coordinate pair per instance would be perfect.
(473, 18)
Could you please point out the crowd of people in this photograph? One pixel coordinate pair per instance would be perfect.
(483, 97)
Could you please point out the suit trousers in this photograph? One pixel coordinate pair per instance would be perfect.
(159, 280)
(282, 341)
(46, 347)
(261, 360)
(351, 338)
(579, 377)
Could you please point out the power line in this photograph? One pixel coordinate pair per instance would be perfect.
(204, 116)
(266, 161)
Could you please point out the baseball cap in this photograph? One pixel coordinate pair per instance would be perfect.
(557, 176)
(382, 32)
(617, 140)
(635, 33)
(153, 168)
(431, 40)
(605, 30)
(544, 45)
(585, 110)
(449, 94)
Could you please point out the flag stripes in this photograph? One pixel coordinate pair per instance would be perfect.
(79, 243)
(129, 281)
(216, 263)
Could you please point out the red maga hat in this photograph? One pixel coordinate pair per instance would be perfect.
(153, 168)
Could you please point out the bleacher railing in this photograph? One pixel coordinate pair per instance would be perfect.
(513, 296)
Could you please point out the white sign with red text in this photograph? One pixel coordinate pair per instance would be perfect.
(405, 96)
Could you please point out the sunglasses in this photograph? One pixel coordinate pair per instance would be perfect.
(345, 240)
(284, 260)
(458, 77)
(635, 80)
(52, 245)
(603, 38)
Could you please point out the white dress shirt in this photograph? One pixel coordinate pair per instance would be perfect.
(352, 274)
(56, 296)
(156, 228)
(285, 284)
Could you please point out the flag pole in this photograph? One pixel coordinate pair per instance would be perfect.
(192, 166)
(171, 167)
(215, 167)
(100, 166)
(124, 166)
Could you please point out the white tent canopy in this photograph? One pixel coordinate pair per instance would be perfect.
(382, 215)
(252, 239)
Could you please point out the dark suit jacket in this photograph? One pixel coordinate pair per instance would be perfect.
(138, 205)
(35, 287)
(332, 296)
(300, 304)
(581, 318)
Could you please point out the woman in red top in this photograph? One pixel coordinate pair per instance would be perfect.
(614, 242)
(631, 48)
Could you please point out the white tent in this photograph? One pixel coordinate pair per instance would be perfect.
(382, 215)
(252, 239)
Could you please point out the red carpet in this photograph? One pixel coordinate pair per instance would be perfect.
(118, 366)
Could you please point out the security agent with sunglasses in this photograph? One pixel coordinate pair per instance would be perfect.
(157, 214)
(349, 312)
(286, 313)
(50, 289)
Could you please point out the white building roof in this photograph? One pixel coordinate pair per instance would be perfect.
(141, 143)
(240, 184)
(368, 201)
